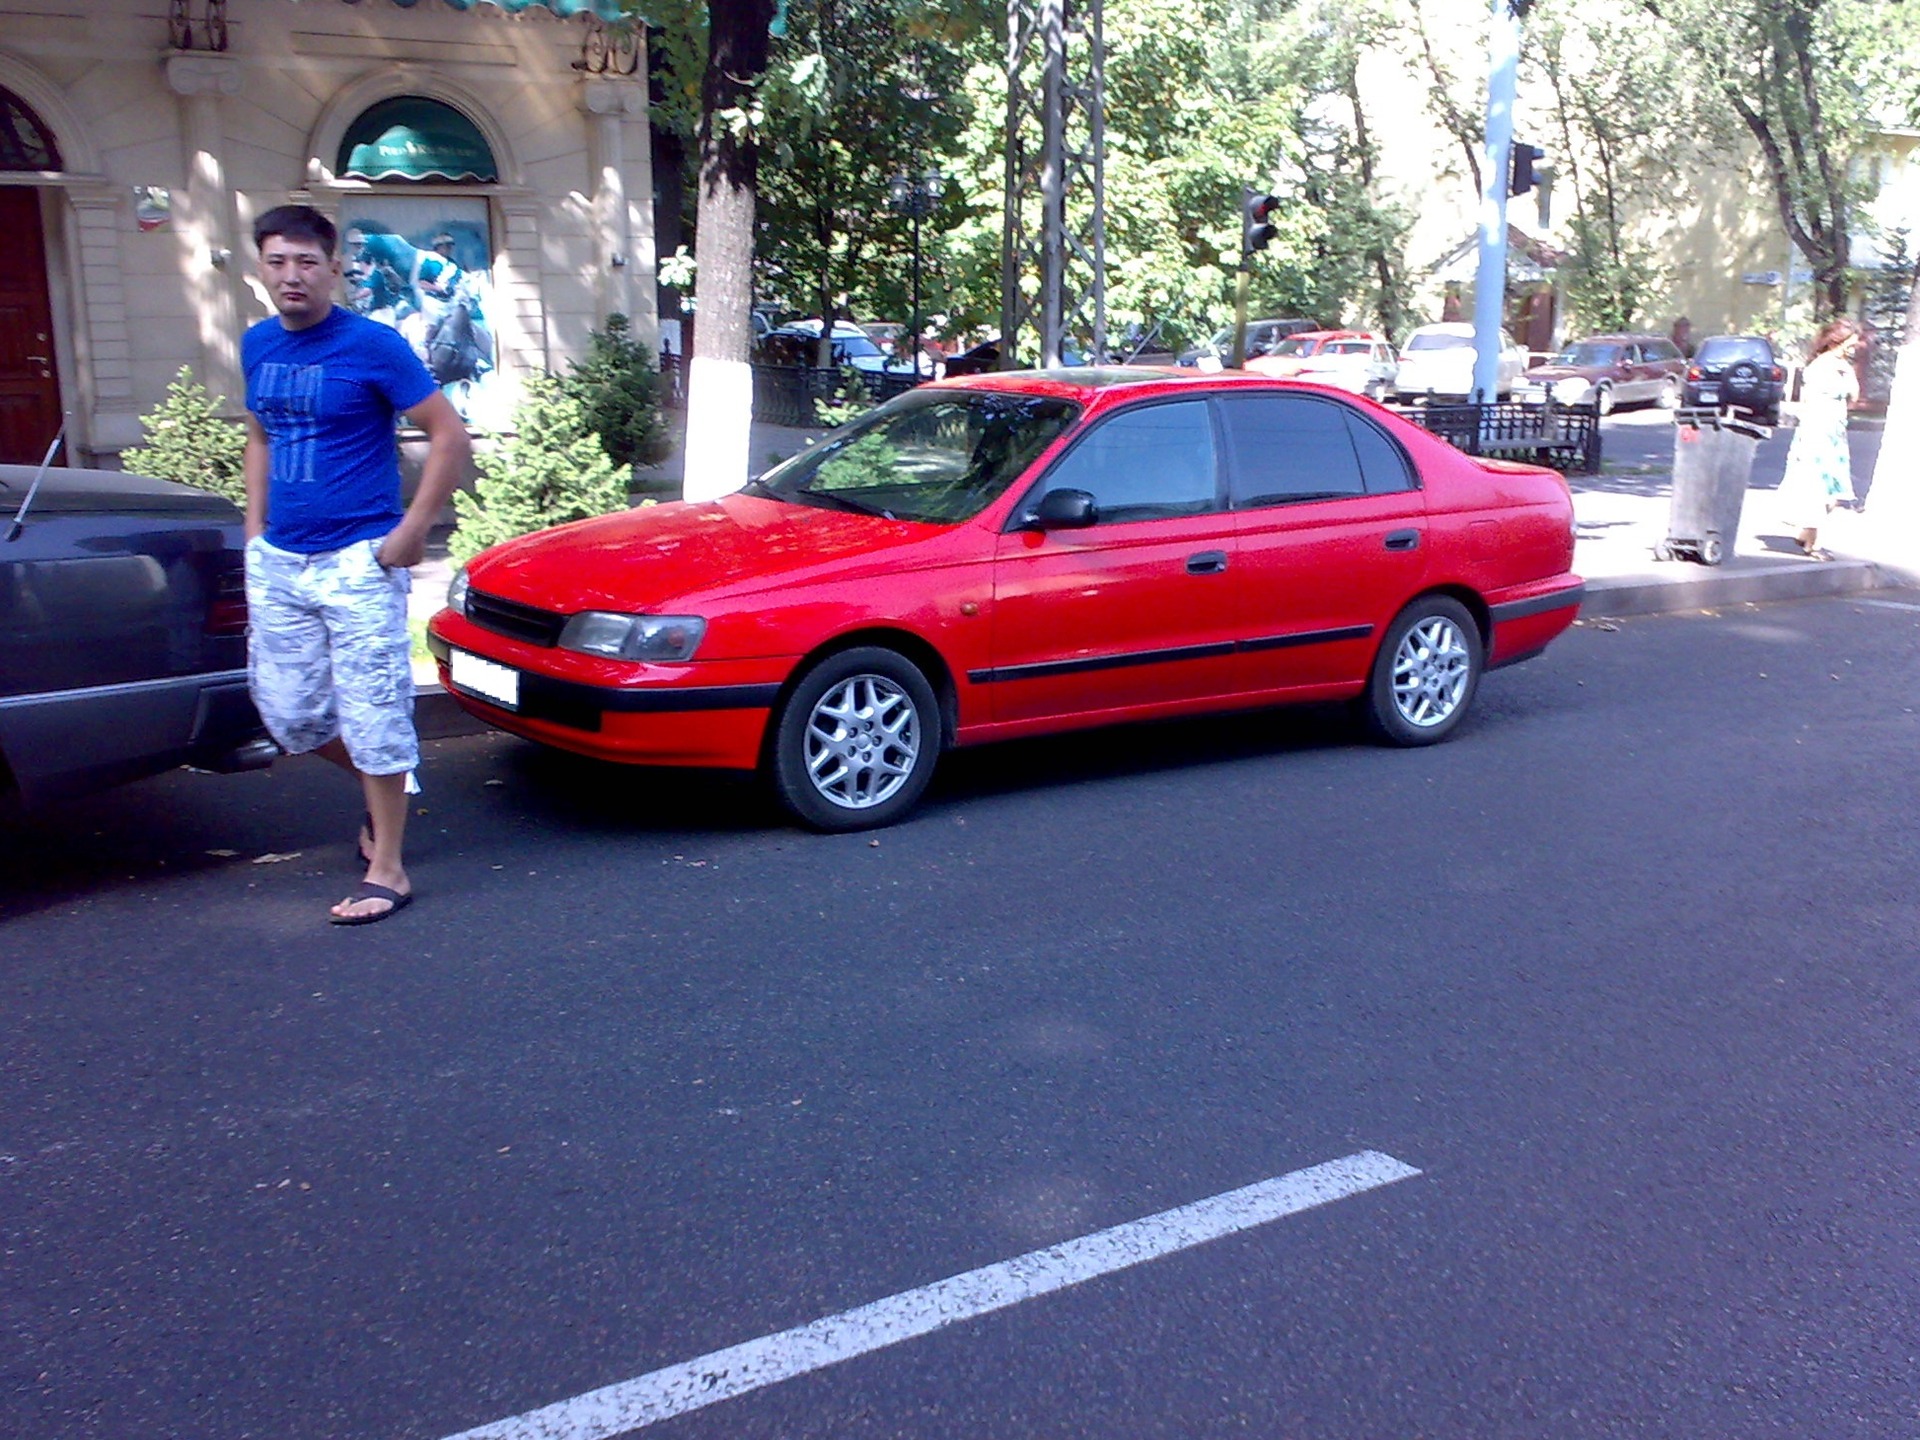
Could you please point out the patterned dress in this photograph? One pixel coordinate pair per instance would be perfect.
(1819, 468)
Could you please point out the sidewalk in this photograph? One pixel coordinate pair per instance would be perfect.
(1619, 517)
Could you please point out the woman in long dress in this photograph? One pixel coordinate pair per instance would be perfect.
(1819, 474)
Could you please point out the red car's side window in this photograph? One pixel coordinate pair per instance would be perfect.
(1148, 463)
(1287, 448)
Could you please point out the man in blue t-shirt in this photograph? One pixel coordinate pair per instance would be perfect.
(329, 546)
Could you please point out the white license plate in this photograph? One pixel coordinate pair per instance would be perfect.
(496, 683)
(1709, 394)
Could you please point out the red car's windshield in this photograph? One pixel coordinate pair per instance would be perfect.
(939, 456)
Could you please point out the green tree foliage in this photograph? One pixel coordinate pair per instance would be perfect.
(618, 390)
(858, 91)
(552, 469)
(1625, 120)
(1807, 79)
(189, 441)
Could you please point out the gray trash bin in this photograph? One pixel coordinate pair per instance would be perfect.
(1712, 463)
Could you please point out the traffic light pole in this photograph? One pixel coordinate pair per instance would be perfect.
(1239, 356)
(1490, 280)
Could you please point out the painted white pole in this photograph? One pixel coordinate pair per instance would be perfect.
(1490, 281)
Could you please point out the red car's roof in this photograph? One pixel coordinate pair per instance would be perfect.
(1083, 383)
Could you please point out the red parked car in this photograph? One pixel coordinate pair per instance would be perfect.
(1015, 554)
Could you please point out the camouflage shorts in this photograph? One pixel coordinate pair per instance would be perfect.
(328, 653)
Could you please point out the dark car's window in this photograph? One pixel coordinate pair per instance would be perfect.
(1730, 349)
(1286, 448)
(934, 455)
(1144, 464)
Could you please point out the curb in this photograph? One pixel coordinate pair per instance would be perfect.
(1658, 594)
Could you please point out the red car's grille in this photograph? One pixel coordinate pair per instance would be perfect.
(511, 618)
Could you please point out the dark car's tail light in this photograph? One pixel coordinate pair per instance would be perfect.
(1694, 372)
(227, 612)
(1778, 373)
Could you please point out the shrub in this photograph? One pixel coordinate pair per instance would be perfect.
(188, 440)
(618, 387)
(550, 470)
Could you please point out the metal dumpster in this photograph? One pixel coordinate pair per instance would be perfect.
(1712, 463)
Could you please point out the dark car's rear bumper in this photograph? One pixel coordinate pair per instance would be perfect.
(69, 742)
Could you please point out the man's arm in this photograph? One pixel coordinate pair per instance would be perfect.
(448, 453)
(253, 471)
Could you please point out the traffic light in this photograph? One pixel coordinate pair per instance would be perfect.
(1256, 227)
(1520, 175)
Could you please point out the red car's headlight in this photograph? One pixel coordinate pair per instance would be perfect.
(633, 637)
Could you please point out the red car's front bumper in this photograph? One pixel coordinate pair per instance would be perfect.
(695, 714)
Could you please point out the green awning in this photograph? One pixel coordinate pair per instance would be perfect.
(410, 137)
(608, 10)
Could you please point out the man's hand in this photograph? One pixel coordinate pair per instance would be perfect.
(402, 549)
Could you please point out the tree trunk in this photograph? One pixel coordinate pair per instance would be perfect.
(720, 378)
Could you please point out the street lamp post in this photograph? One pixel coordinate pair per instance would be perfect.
(915, 196)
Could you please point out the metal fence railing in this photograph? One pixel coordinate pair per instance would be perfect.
(1564, 436)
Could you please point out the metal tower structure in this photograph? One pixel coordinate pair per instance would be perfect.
(1053, 260)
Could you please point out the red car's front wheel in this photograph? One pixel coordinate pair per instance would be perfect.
(855, 745)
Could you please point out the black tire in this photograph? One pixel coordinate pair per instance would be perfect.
(1603, 400)
(1662, 550)
(880, 722)
(1711, 551)
(1425, 674)
(1669, 398)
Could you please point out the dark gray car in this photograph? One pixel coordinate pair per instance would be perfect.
(123, 620)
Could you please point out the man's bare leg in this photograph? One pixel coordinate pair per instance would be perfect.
(386, 797)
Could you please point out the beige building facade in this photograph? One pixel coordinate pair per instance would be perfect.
(490, 172)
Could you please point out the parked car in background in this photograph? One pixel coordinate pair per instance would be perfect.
(1018, 554)
(852, 346)
(1347, 359)
(1262, 336)
(1608, 370)
(1736, 372)
(123, 625)
(1437, 363)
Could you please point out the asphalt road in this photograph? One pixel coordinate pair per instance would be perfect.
(1626, 971)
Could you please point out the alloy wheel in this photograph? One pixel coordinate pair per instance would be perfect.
(1431, 671)
(862, 742)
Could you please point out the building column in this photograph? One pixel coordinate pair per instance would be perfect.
(623, 203)
(214, 259)
(102, 348)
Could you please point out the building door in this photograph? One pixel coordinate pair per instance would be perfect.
(29, 379)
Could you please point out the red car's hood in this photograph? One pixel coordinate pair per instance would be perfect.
(641, 559)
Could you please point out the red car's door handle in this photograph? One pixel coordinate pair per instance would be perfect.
(1207, 562)
(1404, 540)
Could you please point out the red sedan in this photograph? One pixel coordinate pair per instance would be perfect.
(1015, 554)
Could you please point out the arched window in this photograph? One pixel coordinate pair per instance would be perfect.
(25, 144)
(410, 137)
(419, 241)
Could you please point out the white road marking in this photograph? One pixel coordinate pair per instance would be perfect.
(1889, 604)
(721, 1375)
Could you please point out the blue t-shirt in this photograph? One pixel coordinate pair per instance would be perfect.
(327, 397)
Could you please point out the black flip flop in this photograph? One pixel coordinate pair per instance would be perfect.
(367, 890)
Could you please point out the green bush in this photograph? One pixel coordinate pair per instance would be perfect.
(189, 441)
(550, 470)
(618, 387)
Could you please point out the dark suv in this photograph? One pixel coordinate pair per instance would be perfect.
(1736, 372)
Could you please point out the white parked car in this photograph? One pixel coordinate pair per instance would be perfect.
(1360, 364)
(1437, 361)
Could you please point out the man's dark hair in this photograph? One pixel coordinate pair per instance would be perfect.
(296, 222)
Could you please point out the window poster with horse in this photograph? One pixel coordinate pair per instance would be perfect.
(424, 265)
